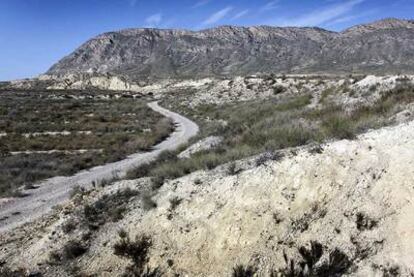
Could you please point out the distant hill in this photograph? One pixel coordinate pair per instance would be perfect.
(385, 46)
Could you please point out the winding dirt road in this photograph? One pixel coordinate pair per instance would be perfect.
(56, 190)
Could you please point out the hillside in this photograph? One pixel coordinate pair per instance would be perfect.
(381, 47)
(289, 176)
(207, 223)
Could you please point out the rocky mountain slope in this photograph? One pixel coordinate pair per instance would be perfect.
(383, 46)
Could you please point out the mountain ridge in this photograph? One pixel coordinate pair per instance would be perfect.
(148, 53)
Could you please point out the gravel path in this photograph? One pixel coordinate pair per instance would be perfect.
(56, 190)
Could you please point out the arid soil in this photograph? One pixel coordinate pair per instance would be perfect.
(17, 211)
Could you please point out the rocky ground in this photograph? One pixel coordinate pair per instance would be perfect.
(351, 89)
(342, 207)
(352, 195)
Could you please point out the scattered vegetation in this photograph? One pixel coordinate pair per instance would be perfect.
(50, 134)
(73, 249)
(278, 89)
(389, 270)
(70, 251)
(147, 202)
(137, 252)
(69, 226)
(8, 272)
(364, 222)
(312, 264)
(175, 202)
(108, 208)
(269, 156)
(255, 127)
(232, 169)
(243, 271)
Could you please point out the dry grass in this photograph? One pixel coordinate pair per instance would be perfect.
(256, 127)
(116, 128)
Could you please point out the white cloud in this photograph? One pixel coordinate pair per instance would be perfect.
(269, 6)
(324, 15)
(240, 14)
(343, 19)
(217, 16)
(154, 20)
(347, 18)
(201, 3)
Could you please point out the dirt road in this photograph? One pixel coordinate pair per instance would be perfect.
(56, 190)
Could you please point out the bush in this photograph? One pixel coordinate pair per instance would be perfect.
(364, 222)
(137, 252)
(312, 255)
(337, 263)
(243, 271)
(175, 202)
(231, 169)
(69, 226)
(109, 207)
(278, 89)
(73, 249)
(157, 182)
(147, 202)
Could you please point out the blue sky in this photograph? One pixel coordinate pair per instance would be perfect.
(34, 34)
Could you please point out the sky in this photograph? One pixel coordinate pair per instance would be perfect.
(34, 34)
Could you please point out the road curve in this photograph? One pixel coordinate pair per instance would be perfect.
(57, 189)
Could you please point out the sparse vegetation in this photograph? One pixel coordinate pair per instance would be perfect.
(255, 127)
(278, 90)
(364, 222)
(73, 249)
(108, 208)
(311, 264)
(147, 202)
(7, 272)
(243, 271)
(232, 169)
(79, 133)
(69, 226)
(137, 252)
(175, 202)
(339, 126)
(388, 270)
(70, 251)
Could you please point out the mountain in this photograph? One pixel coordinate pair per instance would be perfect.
(380, 47)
